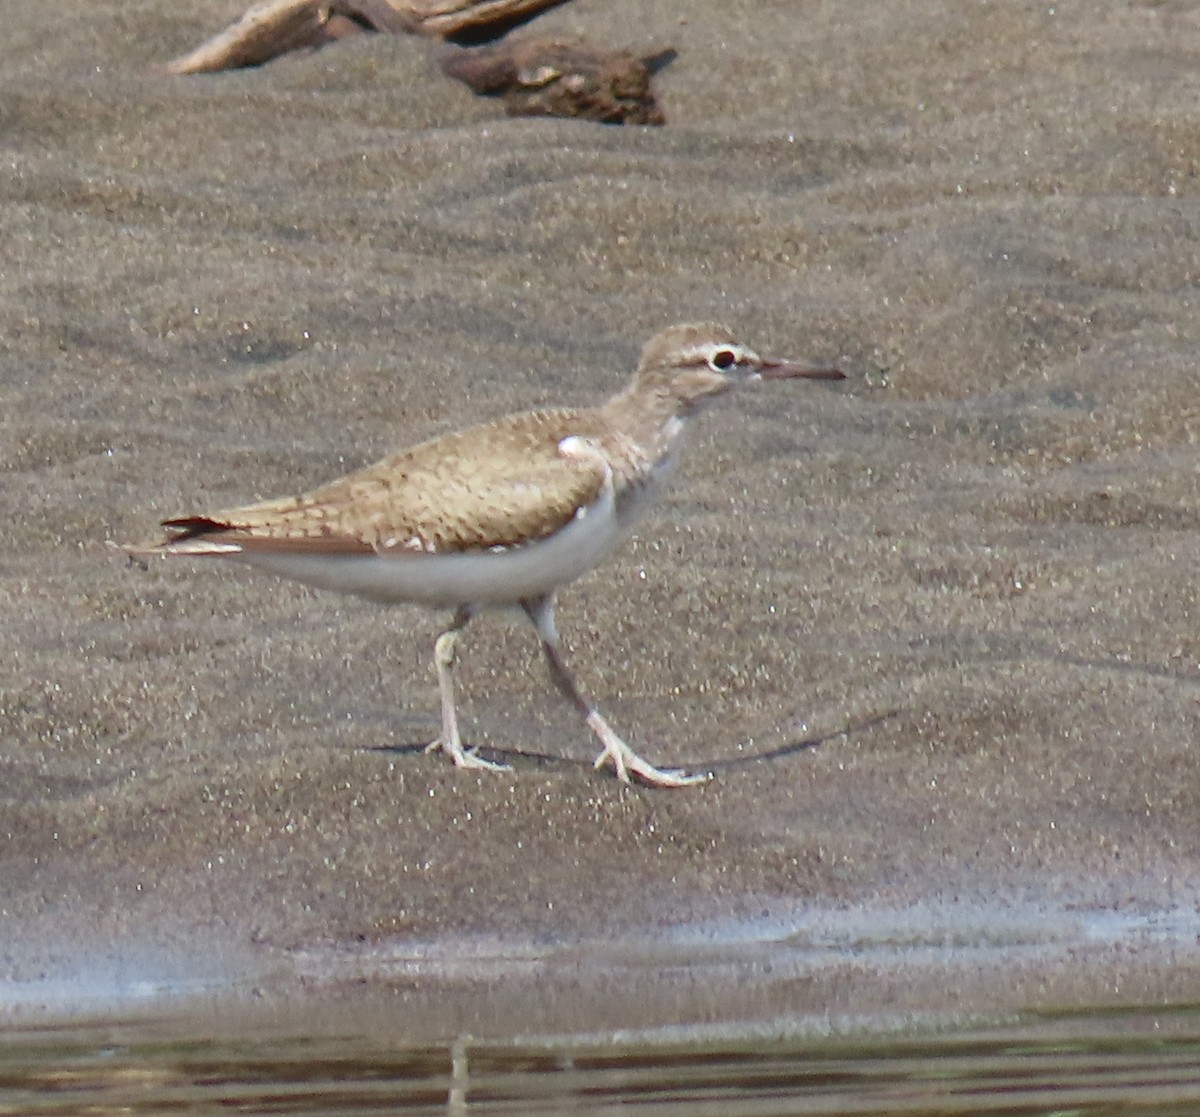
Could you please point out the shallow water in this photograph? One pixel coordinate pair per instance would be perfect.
(1125, 1061)
(850, 1012)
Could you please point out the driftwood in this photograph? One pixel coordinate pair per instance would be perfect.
(467, 21)
(275, 27)
(534, 77)
(546, 77)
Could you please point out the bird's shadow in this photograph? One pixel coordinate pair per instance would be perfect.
(791, 748)
(720, 764)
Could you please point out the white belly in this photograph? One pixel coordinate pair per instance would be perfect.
(494, 578)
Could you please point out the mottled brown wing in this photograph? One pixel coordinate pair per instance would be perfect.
(489, 486)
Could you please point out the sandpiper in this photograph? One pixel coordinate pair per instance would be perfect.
(500, 515)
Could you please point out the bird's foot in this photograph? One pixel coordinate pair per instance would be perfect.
(465, 758)
(626, 763)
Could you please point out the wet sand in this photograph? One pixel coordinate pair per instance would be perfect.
(933, 629)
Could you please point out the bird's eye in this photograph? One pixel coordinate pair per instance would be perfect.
(723, 359)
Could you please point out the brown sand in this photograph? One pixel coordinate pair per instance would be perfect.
(935, 629)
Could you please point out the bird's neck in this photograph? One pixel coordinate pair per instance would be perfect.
(648, 419)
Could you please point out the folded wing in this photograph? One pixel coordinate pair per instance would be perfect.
(487, 487)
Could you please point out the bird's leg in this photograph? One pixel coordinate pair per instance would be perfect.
(624, 760)
(449, 741)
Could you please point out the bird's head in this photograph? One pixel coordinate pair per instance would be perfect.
(692, 364)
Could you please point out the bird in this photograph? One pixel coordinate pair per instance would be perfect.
(500, 515)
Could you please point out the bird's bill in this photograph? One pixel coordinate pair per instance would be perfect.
(793, 370)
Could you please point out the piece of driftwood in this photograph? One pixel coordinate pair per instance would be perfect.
(548, 77)
(466, 21)
(275, 27)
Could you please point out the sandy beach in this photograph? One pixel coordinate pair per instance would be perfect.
(933, 629)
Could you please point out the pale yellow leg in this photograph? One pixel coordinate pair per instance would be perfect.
(449, 740)
(616, 752)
